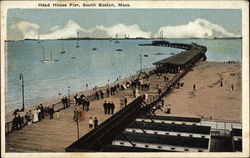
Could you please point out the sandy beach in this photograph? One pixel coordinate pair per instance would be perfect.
(208, 101)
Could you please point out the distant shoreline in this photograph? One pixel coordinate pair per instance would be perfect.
(137, 38)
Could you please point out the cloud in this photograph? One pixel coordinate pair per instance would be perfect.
(28, 29)
(200, 28)
(133, 31)
(70, 30)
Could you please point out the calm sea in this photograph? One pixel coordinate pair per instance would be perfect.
(83, 65)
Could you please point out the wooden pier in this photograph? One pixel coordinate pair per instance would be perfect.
(102, 136)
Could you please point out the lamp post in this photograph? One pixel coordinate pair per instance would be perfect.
(21, 78)
(108, 83)
(69, 94)
(140, 55)
(140, 62)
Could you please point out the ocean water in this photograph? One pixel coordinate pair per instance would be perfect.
(44, 81)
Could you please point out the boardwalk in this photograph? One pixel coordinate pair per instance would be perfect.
(56, 134)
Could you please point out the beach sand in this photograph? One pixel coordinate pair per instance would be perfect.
(208, 100)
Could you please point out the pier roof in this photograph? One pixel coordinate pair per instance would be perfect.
(164, 139)
(171, 127)
(181, 58)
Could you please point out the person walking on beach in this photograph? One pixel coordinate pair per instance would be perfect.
(95, 122)
(90, 123)
(232, 87)
(194, 87)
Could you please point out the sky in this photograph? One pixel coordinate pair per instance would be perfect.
(147, 23)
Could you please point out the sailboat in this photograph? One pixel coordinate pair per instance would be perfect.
(44, 60)
(63, 51)
(116, 41)
(38, 39)
(77, 45)
(110, 39)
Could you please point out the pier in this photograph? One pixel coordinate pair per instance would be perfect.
(102, 137)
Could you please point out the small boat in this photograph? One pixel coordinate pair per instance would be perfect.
(118, 49)
(77, 44)
(94, 49)
(73, 57)
(116, 41)
(63, 51)
(38, 39)
(146, 55)
(44, 60)
(158, 54)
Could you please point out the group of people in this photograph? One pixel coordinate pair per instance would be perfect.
(99, 95)
(123, 102)
(108, 107)
(31, 116)
(65, 102)
(93, 123)
(82, 100)
(231, 62)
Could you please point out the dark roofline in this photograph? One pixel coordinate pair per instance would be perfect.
(181, 58)
(192, 129)
(164, 139)
(173, 118)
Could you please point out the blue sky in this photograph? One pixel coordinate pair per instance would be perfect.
(51, 23)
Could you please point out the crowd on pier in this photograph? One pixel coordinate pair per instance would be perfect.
(32, 116)
(83, 102)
